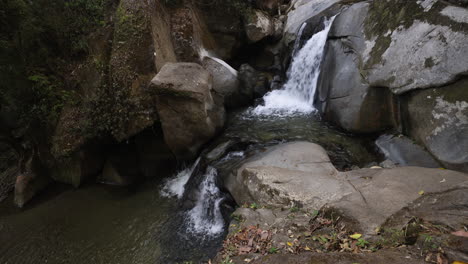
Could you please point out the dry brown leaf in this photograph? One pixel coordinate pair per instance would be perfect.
(460, 233)
(441, 259)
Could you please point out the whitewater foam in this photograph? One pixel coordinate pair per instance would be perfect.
(205, 218)
(176, 185)
(297, 95)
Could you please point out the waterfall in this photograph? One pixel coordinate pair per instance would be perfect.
(176, 185)
(206, 218)
(297, 42)
(297, 95)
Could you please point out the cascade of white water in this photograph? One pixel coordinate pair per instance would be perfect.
(206, 218)
(176, 185)
(297, 42)
(297, 95)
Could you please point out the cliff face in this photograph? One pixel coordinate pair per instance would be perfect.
(77, 75)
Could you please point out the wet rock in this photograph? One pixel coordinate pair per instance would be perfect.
(30, 181)
(438, 119)
(301, 174)
(121, 167)
(344, 97)
(253, 84)
(271, 6)
(225, 81)
(387, 164)
(190, 114)
(258, 26)
(403, 152)
(219, 151)
(112, 176)
(303, 11)
(224, 21)
(155, 158)
(276, 83)
(284, 174)
(78, 167)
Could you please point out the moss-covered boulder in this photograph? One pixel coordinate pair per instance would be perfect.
(415, 44)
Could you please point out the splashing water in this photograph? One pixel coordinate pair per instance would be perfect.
(176, 186)
(206, 218)
(297, 95)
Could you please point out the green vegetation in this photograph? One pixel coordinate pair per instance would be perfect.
(254, 206)
(39, 41)
(273, 250)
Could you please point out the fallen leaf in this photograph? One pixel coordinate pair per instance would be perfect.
(442, 181)
(460, 233)
(376, 167)
(307, 248)
(441, 259)
(421, 192)
(459, 262)
(355, 236)
(244, 250)
(289, 244)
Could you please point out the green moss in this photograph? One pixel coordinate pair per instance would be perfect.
(429, 62)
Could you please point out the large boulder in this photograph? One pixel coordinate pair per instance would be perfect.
(283, 176)
(225, 81)
(415, 44)
(190, 114)
(300, 174)
(385, 49)
(259, 25)
(438, 118)
(344, 97)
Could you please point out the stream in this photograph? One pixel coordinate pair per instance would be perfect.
(181, 218)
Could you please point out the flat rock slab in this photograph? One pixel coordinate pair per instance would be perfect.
(300, 174)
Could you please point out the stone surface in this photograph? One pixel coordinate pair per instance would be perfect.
(30, 181)
(379, 193)
(281, 175)
(424, 46)
(301, 12)
(258, 26)
(253, 84)
(301, 174)
(79, 167)
(447, 208)
(344, 97)
(190, 115)
(438, 119)
(225, 81)
(271, 6)
(404, 152)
